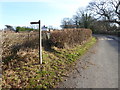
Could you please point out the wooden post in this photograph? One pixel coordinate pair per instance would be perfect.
(40, 41)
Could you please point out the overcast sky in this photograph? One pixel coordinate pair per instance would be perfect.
(50, 12)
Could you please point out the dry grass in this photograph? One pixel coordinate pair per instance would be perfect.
(21, 68)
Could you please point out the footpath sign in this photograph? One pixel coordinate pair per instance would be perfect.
(40, 41)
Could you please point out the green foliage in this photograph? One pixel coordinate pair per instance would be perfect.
(18, 28)
(86, 20)
(81, 20)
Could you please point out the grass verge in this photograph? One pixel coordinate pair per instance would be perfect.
(24, 71)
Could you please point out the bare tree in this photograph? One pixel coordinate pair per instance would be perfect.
(83, 19)
(67, 23)
(109, 9)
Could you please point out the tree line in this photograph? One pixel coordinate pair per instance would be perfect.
(99, 15)
(19, 28)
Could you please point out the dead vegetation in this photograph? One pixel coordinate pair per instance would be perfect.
(21, 68)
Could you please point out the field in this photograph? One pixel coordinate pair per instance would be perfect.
(21, 68)
(17, 51)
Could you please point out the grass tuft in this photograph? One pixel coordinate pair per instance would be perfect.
(25, 72)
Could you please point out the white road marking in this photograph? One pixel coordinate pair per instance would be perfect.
(105, 39)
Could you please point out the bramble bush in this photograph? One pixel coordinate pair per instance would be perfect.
(70, 37)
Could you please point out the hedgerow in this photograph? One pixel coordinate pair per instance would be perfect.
(70, 37)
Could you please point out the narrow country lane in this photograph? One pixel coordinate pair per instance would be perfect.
(96, 69)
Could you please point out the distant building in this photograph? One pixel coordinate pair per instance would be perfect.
(9, 28)
(44, 28)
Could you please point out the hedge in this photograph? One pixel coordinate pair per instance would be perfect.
(70, 37)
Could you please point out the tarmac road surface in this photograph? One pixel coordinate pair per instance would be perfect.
(98, 68)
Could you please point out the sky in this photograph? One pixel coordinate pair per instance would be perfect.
(50, 12)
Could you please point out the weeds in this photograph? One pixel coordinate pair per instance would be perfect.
(23, 71)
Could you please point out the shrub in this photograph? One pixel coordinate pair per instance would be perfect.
(70, 37)
(18, 28)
